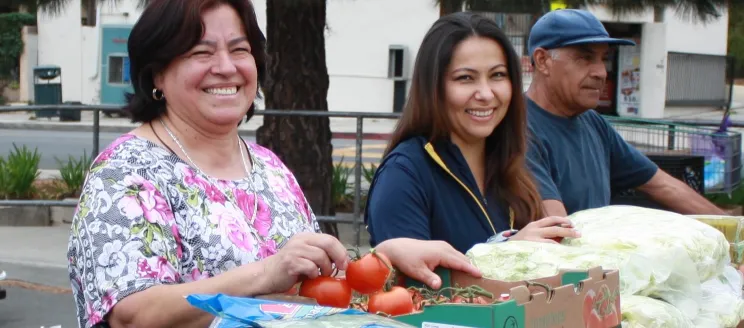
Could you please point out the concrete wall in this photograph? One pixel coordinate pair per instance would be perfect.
(653, 70)
(359, 35)
(683, 35)
(61, 44)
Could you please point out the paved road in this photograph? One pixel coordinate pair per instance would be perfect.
(62, 144)
(33, 307)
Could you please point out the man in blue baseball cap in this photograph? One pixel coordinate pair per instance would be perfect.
(576, 157)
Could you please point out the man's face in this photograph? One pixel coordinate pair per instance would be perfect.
(577, 75)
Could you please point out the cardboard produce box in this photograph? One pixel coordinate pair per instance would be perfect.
(568, 299)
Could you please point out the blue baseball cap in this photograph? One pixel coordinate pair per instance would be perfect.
(569, 27)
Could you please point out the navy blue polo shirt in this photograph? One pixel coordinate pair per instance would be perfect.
(580, 160)
(413, 195)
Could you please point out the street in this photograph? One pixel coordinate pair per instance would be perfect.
(43, 298)
(62, 144)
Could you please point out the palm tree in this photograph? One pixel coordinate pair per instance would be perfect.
(694, 10)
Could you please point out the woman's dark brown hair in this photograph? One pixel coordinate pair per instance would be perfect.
(168, 29)
(425, 113)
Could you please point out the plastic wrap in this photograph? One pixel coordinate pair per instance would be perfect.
(646, 312)
(722, 304)
(668, 274)
(239, 312)
(732, 228)
(648, 231)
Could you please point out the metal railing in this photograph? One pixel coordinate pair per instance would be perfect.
(356, 219)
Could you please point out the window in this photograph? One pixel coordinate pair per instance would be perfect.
(395, 62)
(118, 70)
(397, 72)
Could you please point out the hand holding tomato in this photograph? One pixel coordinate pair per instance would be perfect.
(327, 291)
(306, 255)
(418, 258)
(551, 229)
(369, 273)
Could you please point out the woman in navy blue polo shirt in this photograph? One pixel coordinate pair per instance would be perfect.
(455, 167)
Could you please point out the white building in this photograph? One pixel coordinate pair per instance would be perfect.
(363, 40)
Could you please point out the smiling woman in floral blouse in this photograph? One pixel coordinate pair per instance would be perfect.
(183, 205)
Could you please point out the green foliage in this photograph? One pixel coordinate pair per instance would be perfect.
(369, 173)
(693, 10)
(73, 173)
(18, 173)
(340, 183)
(736, 36)
(11, 41)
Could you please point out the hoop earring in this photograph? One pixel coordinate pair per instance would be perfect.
(157, 94)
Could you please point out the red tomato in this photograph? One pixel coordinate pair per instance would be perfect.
(557, 239)
(327, 291)
(397, 301)
(464, 299)
(369, 273)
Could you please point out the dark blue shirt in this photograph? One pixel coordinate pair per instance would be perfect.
(431, 195)
(580, 160)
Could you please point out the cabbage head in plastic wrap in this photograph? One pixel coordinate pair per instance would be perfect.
(722, 304)
(649, 230)
(667, 275)
(646, 312)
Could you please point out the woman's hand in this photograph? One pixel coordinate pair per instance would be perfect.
(418, 259)
(545, 229)
(306, 256)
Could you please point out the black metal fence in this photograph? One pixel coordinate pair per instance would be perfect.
(356, 218)
(699, 80)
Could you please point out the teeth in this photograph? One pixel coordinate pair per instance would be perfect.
(480, 113)
(222, 91)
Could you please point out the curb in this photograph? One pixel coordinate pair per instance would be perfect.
(79, 127)
(34, 264)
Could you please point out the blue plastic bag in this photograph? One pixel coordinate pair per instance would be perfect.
(240, 312)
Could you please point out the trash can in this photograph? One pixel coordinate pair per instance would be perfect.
(47, 89)
(70, 115)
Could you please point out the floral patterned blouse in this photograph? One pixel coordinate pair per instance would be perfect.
(146, 218)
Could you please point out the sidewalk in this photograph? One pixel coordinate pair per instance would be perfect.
(344, 128)
(35, 246)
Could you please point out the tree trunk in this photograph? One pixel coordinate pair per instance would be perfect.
(447, 7)
(298, 79)
(659, 14)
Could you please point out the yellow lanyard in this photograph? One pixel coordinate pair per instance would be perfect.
(430, 150)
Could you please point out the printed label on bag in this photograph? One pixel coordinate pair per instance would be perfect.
(440, 325)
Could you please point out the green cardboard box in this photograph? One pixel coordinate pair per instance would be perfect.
(568, 299)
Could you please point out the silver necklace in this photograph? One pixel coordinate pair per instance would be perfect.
(216, 183)
(170, 133)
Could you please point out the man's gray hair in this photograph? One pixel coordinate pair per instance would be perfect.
(554, 53)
